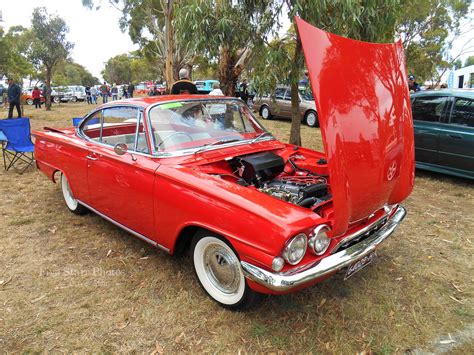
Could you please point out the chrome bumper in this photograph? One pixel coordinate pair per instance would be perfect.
(328, 265)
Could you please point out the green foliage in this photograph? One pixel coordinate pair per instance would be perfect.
(424, 26)
(469, 61)
(13, 45)
(133, 67)
(70, 73)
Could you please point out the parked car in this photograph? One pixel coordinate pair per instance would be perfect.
(205, 86)
(279, 105)
(27, 98)
(76, 93)
(444, 131)
(200, 173)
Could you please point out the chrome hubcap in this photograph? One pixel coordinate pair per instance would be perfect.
(222, 268)
(265, 112)
(311, 119)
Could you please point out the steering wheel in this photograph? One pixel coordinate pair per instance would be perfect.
(175, 134)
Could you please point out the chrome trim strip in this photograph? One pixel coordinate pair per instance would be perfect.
(366, 229)
(326, 266)
(136, 234)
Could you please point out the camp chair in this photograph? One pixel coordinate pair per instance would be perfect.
(77, 120)
(18, 147)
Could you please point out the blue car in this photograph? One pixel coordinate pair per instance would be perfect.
(205, 86)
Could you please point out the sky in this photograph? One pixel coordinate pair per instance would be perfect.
(97, 36)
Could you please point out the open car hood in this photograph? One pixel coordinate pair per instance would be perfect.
(363, 104)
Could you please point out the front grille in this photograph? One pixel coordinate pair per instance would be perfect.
(357, 238)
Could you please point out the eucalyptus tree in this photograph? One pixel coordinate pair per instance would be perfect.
(281, 61)
(49, 45)
(227, 32)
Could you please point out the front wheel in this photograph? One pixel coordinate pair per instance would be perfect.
(29, 102)
(218, 270)
(311, 119)
(72, 204)
(73, 99)
(56, 100)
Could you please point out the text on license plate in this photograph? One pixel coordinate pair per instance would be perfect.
(360, 264)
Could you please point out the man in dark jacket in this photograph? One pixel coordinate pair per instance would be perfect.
(183, 85)
(13, 94)
(131, 89)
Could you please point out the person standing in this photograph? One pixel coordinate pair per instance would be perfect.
(183, 85)
(88, 95)
(93, 95)
(216, 90)
(413, 86)
(244, 91)
(104, 91)
(13, 95)
(125, 91)
(36, 95)
(131, 89)
(114, 92)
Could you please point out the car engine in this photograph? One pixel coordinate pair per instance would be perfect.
(264, 171)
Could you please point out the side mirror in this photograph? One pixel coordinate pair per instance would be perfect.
(120, 148)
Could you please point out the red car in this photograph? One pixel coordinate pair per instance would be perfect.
(258, 215)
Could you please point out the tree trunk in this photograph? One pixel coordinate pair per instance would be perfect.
(169, 44)
(49, 74)
(228, 72)
(295, 134)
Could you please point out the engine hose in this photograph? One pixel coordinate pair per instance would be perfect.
(296, 167)
(308, 202)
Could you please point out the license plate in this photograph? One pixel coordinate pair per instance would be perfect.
(360, 264)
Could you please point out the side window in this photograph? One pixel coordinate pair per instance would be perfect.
(463, 112)
(280, 93)
(92, 126)
(430, 109)
(288, 95)
(119, 126)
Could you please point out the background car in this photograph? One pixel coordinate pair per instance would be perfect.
(279, 105)
(27, 98)
(444, 131)
(205, 86)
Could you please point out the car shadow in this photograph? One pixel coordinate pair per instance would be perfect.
(443, 177)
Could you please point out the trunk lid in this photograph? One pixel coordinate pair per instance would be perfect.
(364, 109)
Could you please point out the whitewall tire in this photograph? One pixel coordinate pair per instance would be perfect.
(72, 204)
(219, 272)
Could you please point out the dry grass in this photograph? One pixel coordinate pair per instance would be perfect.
(71, 283)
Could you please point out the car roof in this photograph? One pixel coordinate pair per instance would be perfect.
(151, 100)
(446, 92)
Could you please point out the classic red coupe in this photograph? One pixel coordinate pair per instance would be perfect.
(200, 173)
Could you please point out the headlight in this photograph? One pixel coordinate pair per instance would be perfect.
(319, 242)
(295, 249)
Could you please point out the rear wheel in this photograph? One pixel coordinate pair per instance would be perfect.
(56, 99)
(71, 202)
(311, 119)
(265, 112)
(73, 99)
(218, 270)
(29, 101)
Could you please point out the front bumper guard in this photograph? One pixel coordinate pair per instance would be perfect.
(293, 278)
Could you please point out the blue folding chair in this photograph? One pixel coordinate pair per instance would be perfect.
(17, 148)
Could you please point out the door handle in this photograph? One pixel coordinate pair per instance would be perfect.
(455, 136)
(91, 157)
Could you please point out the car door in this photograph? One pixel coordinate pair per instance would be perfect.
(286, 105)
(121, 186)
(456, 142)
(278, 108)
(428, 117)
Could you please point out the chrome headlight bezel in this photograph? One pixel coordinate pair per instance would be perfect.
(319, 235)
(291, 245)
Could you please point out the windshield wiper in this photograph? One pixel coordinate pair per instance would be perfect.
(263, 134)
(220, 141)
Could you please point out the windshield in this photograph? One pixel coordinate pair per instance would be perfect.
(196, 124)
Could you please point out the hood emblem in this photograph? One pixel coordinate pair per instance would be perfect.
(392, 169)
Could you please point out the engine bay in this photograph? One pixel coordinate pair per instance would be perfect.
(286, 180)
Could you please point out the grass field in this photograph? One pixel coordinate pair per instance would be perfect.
(78, 283)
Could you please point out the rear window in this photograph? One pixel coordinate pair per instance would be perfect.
(463, 112)
(430, 109)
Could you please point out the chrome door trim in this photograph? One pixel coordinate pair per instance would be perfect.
(136, 234)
